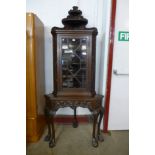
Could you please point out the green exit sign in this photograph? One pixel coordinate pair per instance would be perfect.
(123, 36)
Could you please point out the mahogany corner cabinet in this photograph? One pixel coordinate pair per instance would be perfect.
(74, 51)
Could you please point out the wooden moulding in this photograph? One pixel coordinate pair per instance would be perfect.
(34, 128)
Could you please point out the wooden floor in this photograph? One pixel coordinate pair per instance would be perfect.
(77, 141)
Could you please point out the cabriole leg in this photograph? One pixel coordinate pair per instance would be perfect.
(94, 139)
(47, 115)
(52, 140)
(99, 135)
(75, 122)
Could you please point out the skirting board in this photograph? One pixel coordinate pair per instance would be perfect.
(68, 119)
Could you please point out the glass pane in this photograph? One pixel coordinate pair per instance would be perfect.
(74, 56)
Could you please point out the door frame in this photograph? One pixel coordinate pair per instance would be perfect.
(109, 65)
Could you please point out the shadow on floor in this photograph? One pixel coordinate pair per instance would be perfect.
(77, 141)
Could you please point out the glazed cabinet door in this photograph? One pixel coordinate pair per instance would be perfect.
(74, 64)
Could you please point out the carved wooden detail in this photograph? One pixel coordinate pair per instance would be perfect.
(74, 56)
(94, 104)
(54, 103)
(74, 19)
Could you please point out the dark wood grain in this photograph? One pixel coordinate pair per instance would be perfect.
(86, 97)
(74, 30)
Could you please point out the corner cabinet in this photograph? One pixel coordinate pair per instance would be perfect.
(74, 55)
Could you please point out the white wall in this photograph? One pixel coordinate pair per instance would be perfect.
(119, 99)
(51, 12)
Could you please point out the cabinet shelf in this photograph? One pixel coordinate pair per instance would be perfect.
(64, 69)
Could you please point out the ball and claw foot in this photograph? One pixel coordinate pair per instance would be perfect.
(94, 142)
(47, 138)
(100, 138)
(51, 143)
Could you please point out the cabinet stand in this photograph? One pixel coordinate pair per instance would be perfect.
(94, 104)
